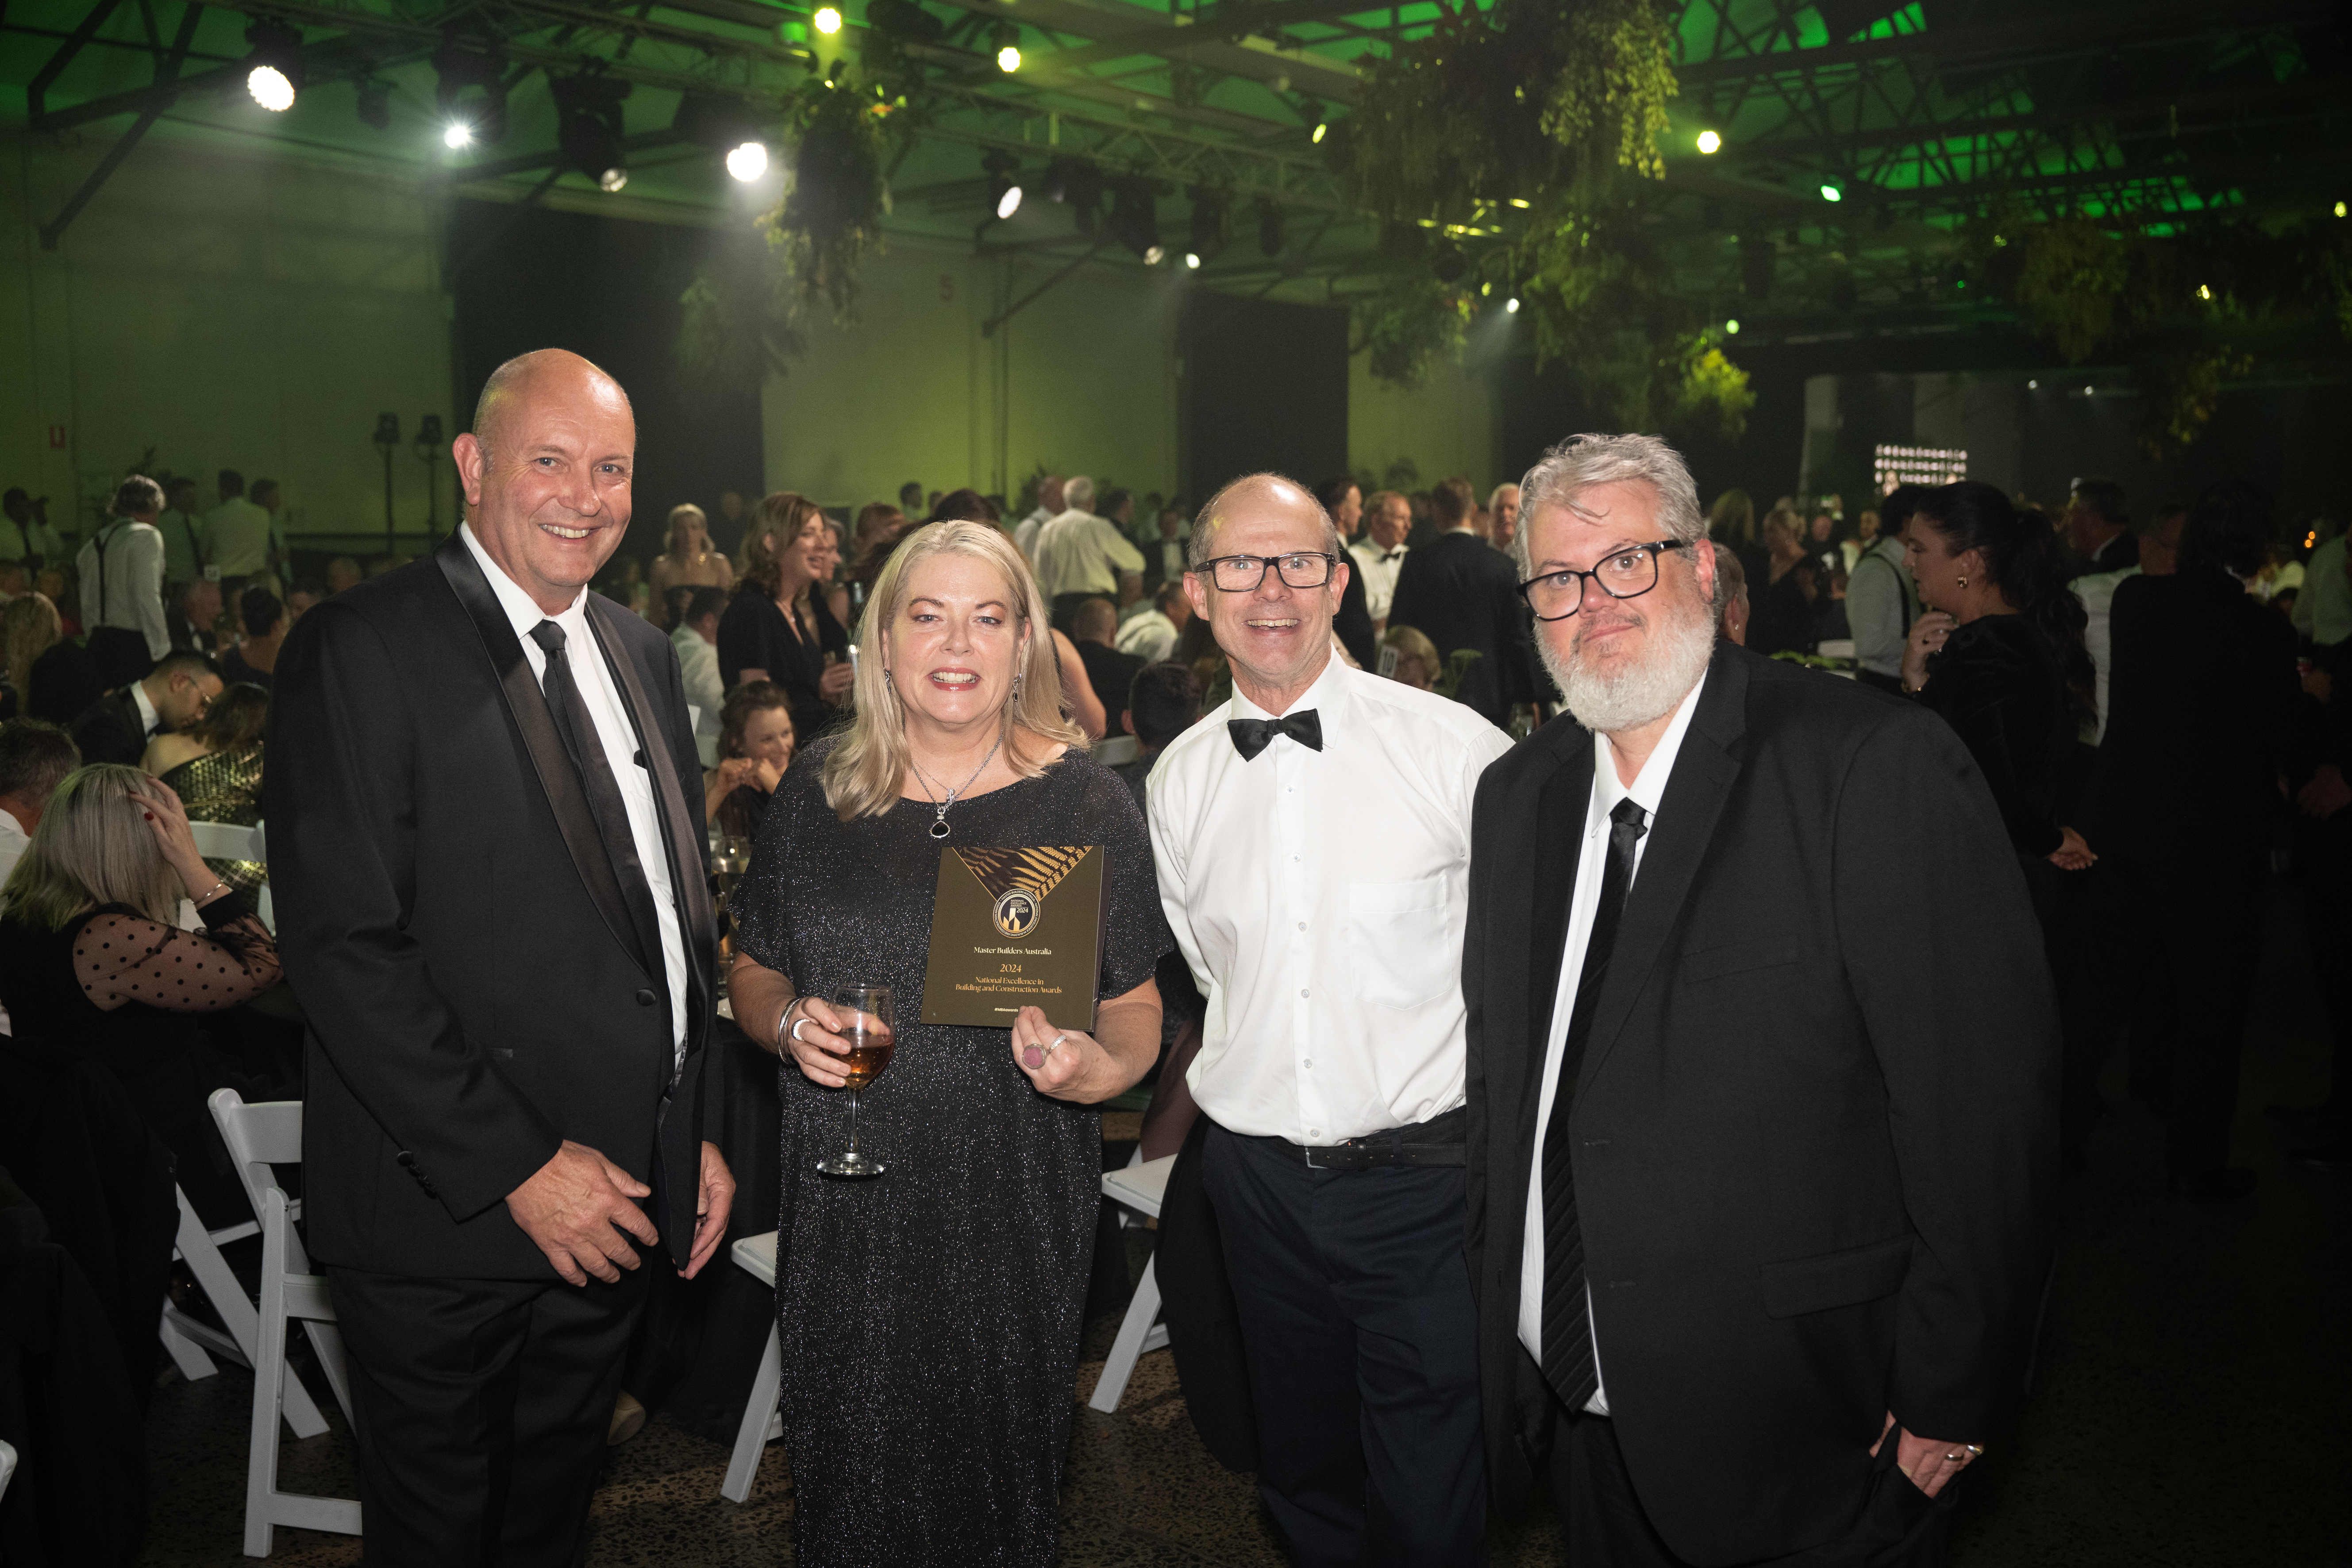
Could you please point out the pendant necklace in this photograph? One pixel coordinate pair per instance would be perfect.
(939, 828)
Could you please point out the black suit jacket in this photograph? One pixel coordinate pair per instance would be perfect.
(110, 730)
(1112, 674)
(1815, 1125)
(1461, 592)
(2204, 711)
(477, 986)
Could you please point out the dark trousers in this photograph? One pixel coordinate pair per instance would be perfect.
(2188, 919)
(2324, 865)
(1603, 1518)
(481, 1408)
(1362, 1341)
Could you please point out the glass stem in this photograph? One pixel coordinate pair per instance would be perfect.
(853, 1122)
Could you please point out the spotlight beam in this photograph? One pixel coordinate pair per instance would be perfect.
(167, 72)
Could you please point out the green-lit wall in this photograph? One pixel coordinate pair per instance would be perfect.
(1443, 427)
(1083, 380)
(247, 312)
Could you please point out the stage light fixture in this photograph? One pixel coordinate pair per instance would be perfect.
(479, 70)
(1008, 59)
(458, 135)
(589, 127)
(1192, 261)
(1732, 326)
(2204, 291)
(1004, 170)
(1708, 141)
(1832, 193)
(2341, 209)
(1273, 226)
(1135, 219)
(2032, 385)
(274, 70)
(1321, 131)
(748, 162)
(375, 104)
(827, 20)
(1512, 304)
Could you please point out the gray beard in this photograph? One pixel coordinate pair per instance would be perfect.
(1682, 645)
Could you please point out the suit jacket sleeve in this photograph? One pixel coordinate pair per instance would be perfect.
(687, 760)
(1945, 959)
(1479, 1130)
(343, 839)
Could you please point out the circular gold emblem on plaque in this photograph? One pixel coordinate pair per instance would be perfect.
(1016, 912)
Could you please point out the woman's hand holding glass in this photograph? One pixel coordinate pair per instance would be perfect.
(834, 683)
(815, 1036)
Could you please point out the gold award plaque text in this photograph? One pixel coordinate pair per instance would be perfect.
(1014, 929)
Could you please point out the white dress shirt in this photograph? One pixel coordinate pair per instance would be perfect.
(12, 849)
(122, 572)
(698, 668)
(2096, 591)
(1078, 552)
(619, 739)
(1378, 569)
(1320, 898)
(1880, 605)
(1648, 788)
(1025, 532)
(1150, 636)
(150, 722)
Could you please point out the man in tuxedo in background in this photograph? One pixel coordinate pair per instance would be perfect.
(1458, 592)
(117, 727)
(1762, 1073)
(494, 905)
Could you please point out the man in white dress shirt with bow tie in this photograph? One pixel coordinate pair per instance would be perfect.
(1313, 848)
(1380, 554)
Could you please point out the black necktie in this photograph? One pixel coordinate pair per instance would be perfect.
(1567, 1363)
(580, 738)
(1251, 736)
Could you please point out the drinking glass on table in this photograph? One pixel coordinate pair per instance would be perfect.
(867, 1013)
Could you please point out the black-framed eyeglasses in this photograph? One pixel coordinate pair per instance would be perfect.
(1627, 574)
(1243, 573)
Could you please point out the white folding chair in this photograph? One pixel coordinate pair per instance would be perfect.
(260, 1136)
(762, 1422)
(226, 841)
(194, 1343)
(1113, 750)
(8, 1467)
(1139, 1187)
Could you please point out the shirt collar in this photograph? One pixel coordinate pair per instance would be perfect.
(1649, 785)
(149, 719)
(521, 612)
(1323, 695)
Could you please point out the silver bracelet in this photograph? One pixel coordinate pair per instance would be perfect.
(783, 1018)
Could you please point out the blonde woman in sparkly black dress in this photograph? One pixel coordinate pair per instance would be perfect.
(931, 1315)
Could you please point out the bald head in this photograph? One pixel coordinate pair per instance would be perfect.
(554, 507)
(557, 372)
(1260, 495)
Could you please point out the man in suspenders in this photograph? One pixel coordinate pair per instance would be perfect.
(1879, 599)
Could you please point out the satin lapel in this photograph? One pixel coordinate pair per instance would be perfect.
(557, 777)
(1562, 803)
(1704, 770)
(688, 873)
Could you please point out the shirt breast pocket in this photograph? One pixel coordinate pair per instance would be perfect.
(1402, 949)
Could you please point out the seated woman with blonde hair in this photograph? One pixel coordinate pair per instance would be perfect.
(213, 766)
(968, 1262)
(686, 560)
(90, 959)
(1417, 664)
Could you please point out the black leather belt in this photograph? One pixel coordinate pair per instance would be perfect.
(1436, 1141)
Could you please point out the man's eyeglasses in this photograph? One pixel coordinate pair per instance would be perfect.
(1627, 575)
(1243, 573)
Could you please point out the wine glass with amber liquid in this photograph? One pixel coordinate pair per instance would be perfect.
(866, 1014)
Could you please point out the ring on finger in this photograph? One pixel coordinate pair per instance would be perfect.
(1056, 1041)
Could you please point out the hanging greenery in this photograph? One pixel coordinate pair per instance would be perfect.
(2185, 311)
(746, 313)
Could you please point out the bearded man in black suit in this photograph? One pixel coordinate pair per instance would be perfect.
(1763, 1073)
(493, 903)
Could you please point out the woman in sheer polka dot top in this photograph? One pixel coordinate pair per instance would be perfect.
(91, 957)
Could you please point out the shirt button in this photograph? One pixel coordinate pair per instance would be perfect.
(1308, 1062)
(1302, 925)
(1315, 1132)
(1302, 991)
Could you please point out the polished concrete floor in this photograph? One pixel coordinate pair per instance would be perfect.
(2190, 1409)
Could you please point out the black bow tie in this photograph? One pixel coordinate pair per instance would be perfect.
(1251, 736)
(1383, 559)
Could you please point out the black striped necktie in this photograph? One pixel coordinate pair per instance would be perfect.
(1567, 1363)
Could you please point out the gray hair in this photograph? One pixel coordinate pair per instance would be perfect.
(1579, 463)
(1196, 549)
(1078, 493)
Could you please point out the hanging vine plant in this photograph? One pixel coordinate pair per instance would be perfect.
(2184, 310)
(747, 311)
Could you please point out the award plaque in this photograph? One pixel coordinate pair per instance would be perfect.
(1014, 929)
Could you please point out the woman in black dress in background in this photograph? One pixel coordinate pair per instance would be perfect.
(778, 626)
(929, 1316)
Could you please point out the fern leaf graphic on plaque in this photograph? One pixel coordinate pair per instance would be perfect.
(1036, 871)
